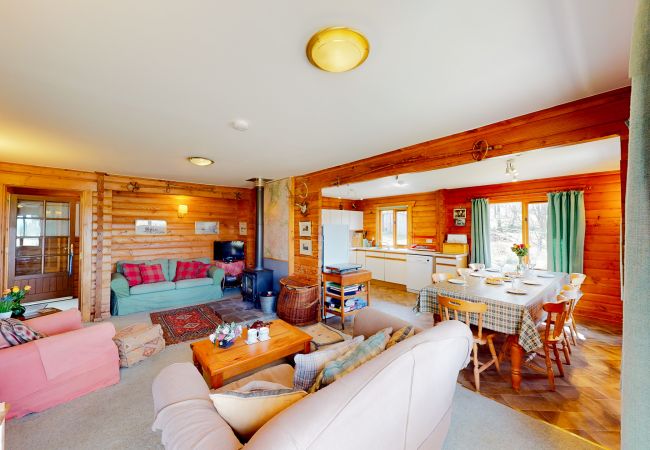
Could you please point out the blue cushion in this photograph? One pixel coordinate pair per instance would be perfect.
(194, 282)
(152, 287)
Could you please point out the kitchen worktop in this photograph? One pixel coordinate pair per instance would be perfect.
(406, 251)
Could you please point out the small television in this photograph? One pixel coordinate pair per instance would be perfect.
(228, 250)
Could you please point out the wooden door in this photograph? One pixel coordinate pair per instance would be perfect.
(41, 246)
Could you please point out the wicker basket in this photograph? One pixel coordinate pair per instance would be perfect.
(299, 301)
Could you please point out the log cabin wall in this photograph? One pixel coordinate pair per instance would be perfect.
(426, 209)
(602, 288)
(344, 204)
(106, 230)
(591, 118)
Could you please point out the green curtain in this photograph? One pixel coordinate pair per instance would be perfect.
(635, 432)
(481, 231)
(565, 228)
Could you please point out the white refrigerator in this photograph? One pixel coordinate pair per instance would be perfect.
(336, 244)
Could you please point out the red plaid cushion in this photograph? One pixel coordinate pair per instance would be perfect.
(186, 270)
(151, 273)
(202, 271)
(132, 274)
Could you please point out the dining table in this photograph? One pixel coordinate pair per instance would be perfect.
(514, 314)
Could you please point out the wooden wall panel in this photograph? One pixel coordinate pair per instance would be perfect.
(120, 208)
(180, 240)
(602, 299)
(425, 214)
(592, 118)
(335, 203)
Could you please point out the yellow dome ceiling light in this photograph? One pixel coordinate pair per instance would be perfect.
(337, 49)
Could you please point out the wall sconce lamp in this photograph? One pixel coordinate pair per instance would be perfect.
(182, 211)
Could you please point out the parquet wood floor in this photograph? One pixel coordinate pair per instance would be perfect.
(586, 401)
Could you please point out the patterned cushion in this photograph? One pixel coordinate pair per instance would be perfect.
(151, 273)
(138, 342)
(346, 363)
(15, 332)
(310, 365)
(400, 335)
(132, 274)
(186, 270)
(248, 408)
(202, 270)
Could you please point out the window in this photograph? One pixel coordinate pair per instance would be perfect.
(394, 226)
(517, 222)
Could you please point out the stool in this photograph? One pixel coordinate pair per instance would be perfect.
(298, 303)
(138, 342)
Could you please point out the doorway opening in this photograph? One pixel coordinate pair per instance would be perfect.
(43, 245)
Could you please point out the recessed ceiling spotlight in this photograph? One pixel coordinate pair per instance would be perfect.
(240, 124)
(200, 161)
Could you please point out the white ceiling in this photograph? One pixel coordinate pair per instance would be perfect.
(134, 87)
(589, 157)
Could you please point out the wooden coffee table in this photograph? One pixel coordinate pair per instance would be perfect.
(217, 364)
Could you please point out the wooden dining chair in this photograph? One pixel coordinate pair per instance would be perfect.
(573, 294)
(577, 279)
(439, 277)
(467, 308)
(553, 334)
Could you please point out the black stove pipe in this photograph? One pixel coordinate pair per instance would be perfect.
(259, 223)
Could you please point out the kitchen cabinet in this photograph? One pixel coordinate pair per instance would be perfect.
(356, 220)
(353, 219)
(449, 263)
(375, 264)
(360, 258)
(395, 268)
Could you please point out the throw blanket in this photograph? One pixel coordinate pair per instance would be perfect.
(16, 332)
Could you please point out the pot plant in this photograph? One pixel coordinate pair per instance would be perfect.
(10, 302)
(225, 334)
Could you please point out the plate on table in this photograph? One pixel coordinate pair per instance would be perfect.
(497, 281)
(517, 291)
(545, 275)
(456, 281)
(513, 275)
(492, 269)
(476, 274)
(531, 282)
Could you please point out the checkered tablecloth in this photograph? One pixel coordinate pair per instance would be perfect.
(506, 313)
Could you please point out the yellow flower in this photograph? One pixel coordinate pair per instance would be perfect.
(15, 289)
(27, 288)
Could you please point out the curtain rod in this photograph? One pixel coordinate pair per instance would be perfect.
(510, 194)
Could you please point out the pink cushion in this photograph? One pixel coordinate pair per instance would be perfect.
(186, 270)
(151, 273)
(132, 274)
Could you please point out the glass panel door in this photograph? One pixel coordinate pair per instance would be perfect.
(537, 213)
(505, 230)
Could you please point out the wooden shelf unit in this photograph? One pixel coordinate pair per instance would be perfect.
(346, 279)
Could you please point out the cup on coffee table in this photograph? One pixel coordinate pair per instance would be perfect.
(252, 336)
(264, 333)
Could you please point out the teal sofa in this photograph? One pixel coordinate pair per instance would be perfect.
(166, 294)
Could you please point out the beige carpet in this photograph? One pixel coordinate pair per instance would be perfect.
(120, 417)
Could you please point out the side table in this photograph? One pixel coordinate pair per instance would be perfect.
(346, 279)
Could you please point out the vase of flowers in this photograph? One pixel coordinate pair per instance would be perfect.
(521, 250)
(10, 301)
(225, 334)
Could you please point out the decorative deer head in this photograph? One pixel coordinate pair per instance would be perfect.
(301, 195)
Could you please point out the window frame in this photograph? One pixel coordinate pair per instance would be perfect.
(409, 223)
(525, 201)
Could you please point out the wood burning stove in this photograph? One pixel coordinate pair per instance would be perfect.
(257, 280)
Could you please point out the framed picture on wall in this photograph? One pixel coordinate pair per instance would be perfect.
(305, 229)
(243, 228)
(206, 227)
(149, 227)
(460, 217)
(305, 247)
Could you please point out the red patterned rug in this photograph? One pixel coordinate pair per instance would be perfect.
(186, 324)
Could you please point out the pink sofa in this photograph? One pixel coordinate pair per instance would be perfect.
(72, 361)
